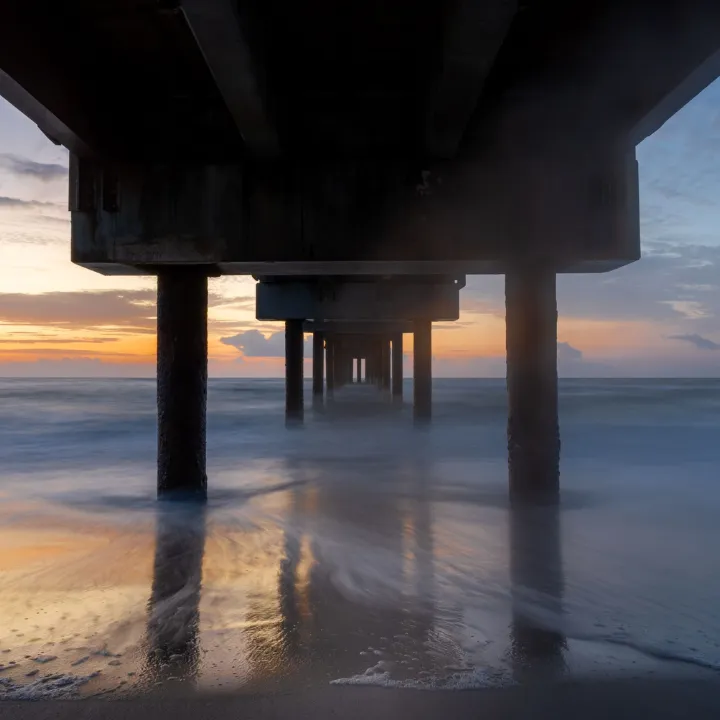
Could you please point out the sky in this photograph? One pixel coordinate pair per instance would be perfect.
(658, 317)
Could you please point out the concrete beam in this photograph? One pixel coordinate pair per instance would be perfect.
(163, 216)
(74, 138)
(608, 72)
(580, 207)
(357, 345)
(357, 300)
(217, 27)
(49, 91)
(360, 327)
(474, 32)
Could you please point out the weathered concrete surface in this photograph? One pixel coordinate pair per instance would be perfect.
(532, 383)
(356, 301)
(182, 381)
(430, 79)
(159, 215)
(249, 139)
(580, 203)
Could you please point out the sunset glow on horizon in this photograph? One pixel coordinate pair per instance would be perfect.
(657, 317)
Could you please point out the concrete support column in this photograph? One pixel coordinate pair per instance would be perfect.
(385, 350)
(397, 366)
(293, 371)
(182, 301)
(378, 363)
(359, 370)
(330, 364)
(531, 341)
(339, 366)
(422, 370)
(318, 366)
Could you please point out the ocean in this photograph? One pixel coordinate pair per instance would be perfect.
(358, 549)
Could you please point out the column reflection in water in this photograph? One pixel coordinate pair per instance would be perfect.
(355, 585)
(275, 622)
(537, 643)
(290, 617)
(419, 550)
(173, 646)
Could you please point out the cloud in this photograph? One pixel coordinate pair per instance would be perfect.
(46, 339)
(252, 343)
(241, 302)
(698, 341)
(134, 310)
(571, 362)
(82, 367)
(671, 282)
(567, 353)
(11, 202)
(120, 308)
(60, 352)
(25, 167)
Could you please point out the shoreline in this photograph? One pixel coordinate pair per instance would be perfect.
(696, 699)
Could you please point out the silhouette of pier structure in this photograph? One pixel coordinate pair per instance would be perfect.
(343, 156)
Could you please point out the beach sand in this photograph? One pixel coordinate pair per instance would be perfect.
(694, 700)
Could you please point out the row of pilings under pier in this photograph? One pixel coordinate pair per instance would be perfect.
(532, 384)
(341, 359)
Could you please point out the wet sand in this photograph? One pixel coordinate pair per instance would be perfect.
(565, 701)
(363, 566)
(183, 602)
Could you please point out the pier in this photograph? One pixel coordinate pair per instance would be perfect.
(359, 169)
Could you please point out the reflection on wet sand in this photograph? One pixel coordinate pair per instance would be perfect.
(354, 602)
(355, 590)
(536, 645)
(173, 644)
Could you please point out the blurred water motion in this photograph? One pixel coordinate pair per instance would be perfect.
(359, 551)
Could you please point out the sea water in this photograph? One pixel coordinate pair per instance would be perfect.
(358, 549)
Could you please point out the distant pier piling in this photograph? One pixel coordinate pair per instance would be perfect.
(330, 364)
(397, 366)
(318, 367)
(422, 370)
